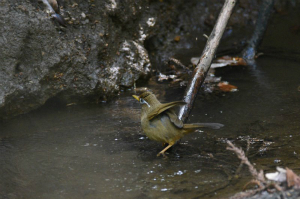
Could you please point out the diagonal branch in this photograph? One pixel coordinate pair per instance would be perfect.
(206, 59)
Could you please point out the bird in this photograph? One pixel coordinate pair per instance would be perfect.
(160, 122)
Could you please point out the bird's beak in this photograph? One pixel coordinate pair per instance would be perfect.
(136, 97)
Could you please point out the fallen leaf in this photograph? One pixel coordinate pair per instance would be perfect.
(226, 87)
(183, 83)
(232, 61)
(295, 29)
(71, 104)
(293, 180)
(177, 38)
(141, 89)
(218, 65)
(162, 77)
(223, 61)
(279, 176)
(74, 5)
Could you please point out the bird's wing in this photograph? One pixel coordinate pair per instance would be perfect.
(174, 118)
(163, 107)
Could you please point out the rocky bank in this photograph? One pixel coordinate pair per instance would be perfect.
(105, 45)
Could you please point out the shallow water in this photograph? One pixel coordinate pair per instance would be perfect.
(99, 151)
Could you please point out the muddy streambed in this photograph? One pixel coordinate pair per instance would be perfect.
(99, 150)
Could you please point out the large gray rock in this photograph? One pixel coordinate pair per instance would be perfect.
(102, 47)
(100, 50)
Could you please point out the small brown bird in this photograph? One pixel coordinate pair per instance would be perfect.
(160, 122)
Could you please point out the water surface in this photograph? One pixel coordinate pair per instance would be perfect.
(99, 150)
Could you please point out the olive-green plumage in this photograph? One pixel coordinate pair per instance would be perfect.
(160, 122)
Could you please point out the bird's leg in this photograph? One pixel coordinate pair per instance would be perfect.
(163, 151)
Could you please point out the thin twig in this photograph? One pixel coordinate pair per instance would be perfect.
(241, 155)
(241, 165)
(177, 62)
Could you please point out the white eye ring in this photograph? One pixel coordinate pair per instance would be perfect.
(142, 101)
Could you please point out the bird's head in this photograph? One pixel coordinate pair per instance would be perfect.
(147, 100)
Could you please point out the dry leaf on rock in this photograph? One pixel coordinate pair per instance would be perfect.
(292, 179)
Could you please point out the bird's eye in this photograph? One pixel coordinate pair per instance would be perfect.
(142, 101)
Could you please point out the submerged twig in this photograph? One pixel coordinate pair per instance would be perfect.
(241, 155)
(53, 13)
(275, 181)
(260, 28)
(241, 165)
(206, 59)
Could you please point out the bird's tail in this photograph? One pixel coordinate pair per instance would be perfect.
(192, 127)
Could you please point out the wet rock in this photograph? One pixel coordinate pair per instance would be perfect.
(100, 50)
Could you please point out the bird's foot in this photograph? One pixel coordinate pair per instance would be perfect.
(162, 153)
